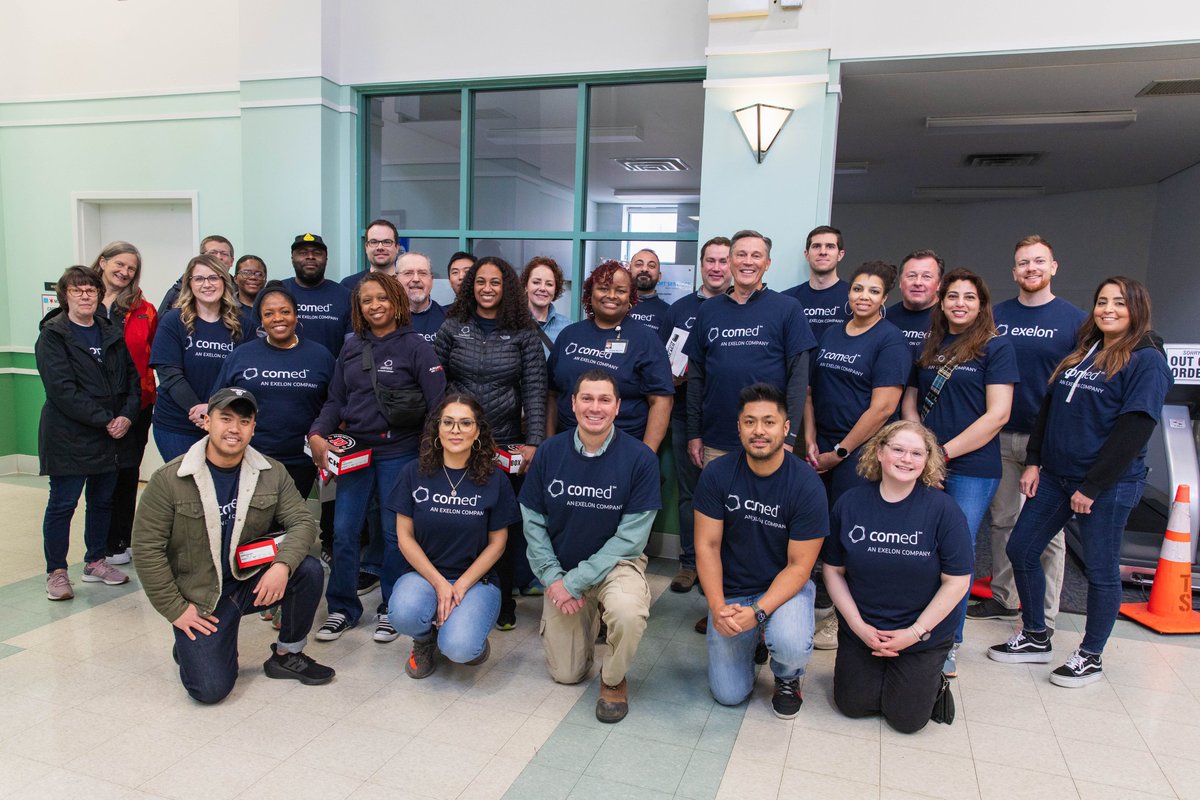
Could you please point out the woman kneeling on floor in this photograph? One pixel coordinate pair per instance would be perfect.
(453, 509)
(897, 562)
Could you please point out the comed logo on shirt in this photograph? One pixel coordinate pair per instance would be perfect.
(828, 311)
(754, 511)
(582, 495)
(228, 511)
(314, 308)
(588, 352)
(204, 344)
(888, 542)
(422, 495)
(736, 337)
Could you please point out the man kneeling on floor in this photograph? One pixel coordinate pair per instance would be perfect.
(588, 502)
(199, 510)
(761, 517)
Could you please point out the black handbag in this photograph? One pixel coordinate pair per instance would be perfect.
(943, 706)
(402, 408)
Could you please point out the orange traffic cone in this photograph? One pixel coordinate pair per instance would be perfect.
(1170, 606)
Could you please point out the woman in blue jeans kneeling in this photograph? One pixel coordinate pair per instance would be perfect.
(961, 389)
(1086, 457)
(453, 509)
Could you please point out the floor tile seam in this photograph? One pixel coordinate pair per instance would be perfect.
(1141, 735)
(878, 784)
(970, 757)
(142, 783)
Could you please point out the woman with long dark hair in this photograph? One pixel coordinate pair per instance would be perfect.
(191, 345)
(119, 266)
(962, 390)
(490, 349)
(453, 509)
(1087, 457)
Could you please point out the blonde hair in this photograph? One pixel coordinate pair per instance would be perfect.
(227, 307)
(935, 465)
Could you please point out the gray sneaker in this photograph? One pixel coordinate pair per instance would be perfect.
(103, 572)
(58, 585)
(826, 635)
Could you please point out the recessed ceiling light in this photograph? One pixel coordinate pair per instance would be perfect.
(653, 164)
(1012, 123)
(976, 192)
(851, 167)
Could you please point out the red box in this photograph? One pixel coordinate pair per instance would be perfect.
(259, 551)
(508, 457)
(353, 458)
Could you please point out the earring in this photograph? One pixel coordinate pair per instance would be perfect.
(437, 443)
(476, 446)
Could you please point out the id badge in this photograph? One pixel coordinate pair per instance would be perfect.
(617, 346)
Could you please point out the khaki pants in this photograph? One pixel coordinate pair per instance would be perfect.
(1005, 508)
(570, 640)
(711, 454)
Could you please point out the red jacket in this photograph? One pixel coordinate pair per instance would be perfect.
(140, 324)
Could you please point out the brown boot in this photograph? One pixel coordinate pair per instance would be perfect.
(613, 704)
(684, 580)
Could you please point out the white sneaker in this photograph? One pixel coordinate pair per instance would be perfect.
(826, 635)
(123, 557)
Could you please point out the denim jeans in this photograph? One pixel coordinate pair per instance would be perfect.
(463, 635)
(973, 496)
(1101, 532)
(353, 496)
(686, 476)
(172, 444)
(788, 634)
(208, 665)
(60, 508)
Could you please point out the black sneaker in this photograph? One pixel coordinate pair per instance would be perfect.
(366, 582)
(1022, 649)
(298, 667)
(335, 625)
(786, 701)
(482, 657)
(1081, 669)
(989, 608)
(423, 659)
(506, 620)
(760, 652)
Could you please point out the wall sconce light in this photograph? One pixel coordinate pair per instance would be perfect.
(761, 123)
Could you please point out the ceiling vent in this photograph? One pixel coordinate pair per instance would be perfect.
(1001, 159)
(1171, 88)
(652, 164)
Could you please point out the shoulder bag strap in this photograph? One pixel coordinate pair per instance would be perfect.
(939, 381)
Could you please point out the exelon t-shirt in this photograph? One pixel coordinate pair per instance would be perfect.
(290, 387)
(1079, 423)
(824, 308)
(895, 553)
(913, 324)
(761, 515)
(323, 312)
(964, 400)
(200, 354)
(1042, 336)
(640, 366)
(650, 312)
(740, 344)
(452, 515)
(583, 498)
(846, 369)
(225, 482)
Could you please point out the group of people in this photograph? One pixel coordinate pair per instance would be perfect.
(834, 457)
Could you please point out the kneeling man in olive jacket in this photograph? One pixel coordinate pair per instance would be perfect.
(194, 515)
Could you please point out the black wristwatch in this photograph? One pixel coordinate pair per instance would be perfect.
(759, 614)
(840, 451)
(922, 634)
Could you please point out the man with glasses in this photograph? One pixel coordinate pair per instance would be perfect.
(382, 245)
(416, 276)
(216, 246)
(322, 307)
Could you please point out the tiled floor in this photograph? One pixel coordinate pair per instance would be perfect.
(90, 706)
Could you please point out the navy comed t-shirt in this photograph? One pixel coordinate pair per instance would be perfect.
(323, 312)
(1079, 423)
(824, 308)
(1042, 336)
(90, 337)
(641, 370)
(846, 369)
(964, 400)
(451, 521)
(290, 387)
(583, 498)
(200, 355)
(740, 344)
(650, 311)
(428, 321)
(225, 482)
(913, 324)
(761, 515)
(895, 554)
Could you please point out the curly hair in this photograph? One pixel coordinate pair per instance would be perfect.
(479, 462)
(132, 294)
(877, 269)
(550, 264)
(513, 314)
(973, 340)
(603, 276)
(228, 308)
(392, 290)
(868, 458)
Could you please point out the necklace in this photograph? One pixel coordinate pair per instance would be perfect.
(453, 485)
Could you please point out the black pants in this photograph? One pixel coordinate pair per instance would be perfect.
(304, 476)
(513, 558)
(902, 689)
(120, 527)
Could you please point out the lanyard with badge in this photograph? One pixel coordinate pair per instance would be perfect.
(616, 346)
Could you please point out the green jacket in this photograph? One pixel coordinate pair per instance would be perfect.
(177, 529)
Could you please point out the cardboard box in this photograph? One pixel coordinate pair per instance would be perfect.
(259, 551)
(508, 457)
(352, 458)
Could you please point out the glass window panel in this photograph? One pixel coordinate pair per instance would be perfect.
(413, 157)
(518, 252)
(678, 270)
(439, 252)
(524, 160)
(644, 146)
